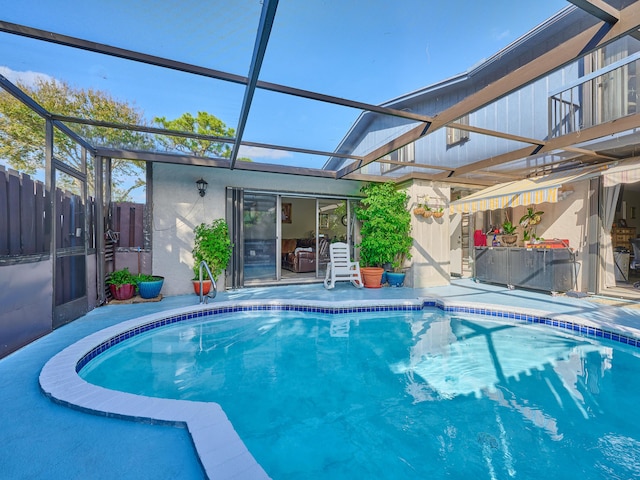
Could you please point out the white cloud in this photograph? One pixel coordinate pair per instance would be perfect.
(257, 152)
(28, 78)
(501, 35)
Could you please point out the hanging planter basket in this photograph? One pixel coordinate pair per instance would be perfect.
(438, 214)
(427, 214)
(419, 211)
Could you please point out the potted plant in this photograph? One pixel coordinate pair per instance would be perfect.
(213, 245)
(509, 236)
(149, 286)
(528, 222)
(438, 212)
(122, 284)
(385, 229)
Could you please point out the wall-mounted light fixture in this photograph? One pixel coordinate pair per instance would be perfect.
(202, 187)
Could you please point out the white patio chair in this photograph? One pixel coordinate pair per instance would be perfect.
(340, 267)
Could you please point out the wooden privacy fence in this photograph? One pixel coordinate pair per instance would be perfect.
(24, 229)
(127, 220)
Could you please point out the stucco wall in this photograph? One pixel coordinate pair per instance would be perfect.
(430, 262)
(177, 209)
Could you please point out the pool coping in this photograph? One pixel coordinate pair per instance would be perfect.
(220, 451)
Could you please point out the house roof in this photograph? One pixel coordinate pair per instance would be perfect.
(241, 41)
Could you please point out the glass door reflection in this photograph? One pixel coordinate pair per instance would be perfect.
(333, 219)
(259, 219)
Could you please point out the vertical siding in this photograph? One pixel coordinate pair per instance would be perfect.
(4, 212)
(23, 219)
(13, 197)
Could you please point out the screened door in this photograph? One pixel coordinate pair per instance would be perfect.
(70, 280)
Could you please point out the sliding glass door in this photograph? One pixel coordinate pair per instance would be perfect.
(283, 237)
(260, 235)
(333, 220)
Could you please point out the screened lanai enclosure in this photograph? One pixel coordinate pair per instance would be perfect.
(110, 113)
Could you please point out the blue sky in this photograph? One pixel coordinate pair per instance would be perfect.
(366, 50)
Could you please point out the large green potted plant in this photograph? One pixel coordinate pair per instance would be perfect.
(385, 231)
(213, 245)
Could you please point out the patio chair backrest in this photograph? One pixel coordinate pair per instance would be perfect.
(341, 267)
(339, 253)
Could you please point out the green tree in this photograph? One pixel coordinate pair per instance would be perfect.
(386, 226)
(22, 131)
(213, 245)
(202, 124)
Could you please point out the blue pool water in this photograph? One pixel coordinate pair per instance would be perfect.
(408, 395)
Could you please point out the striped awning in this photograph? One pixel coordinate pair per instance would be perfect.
(627, 172)
(530, 191)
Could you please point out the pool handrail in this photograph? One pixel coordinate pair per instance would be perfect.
(213, 283)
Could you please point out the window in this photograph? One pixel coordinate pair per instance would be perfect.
(397, 158)
(455, 136)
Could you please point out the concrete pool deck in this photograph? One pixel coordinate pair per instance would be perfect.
(43, 439)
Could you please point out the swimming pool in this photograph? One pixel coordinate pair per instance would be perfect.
(427, 394)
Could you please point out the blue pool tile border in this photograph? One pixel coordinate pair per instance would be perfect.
(585, 330)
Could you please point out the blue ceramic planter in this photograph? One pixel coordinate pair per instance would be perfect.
(395, 279)
(150, 289)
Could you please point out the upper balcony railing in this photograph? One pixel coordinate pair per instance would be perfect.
(596, 98)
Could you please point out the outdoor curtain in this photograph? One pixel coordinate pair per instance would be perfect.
(626, 172)
(607, 214)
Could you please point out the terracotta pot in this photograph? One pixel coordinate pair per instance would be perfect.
(372, 276)
(206, 287)
(123, 292)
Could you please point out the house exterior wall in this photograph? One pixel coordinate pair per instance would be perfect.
(178, 208)
(523, 113)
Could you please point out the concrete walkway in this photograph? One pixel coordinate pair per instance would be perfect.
(45, 440)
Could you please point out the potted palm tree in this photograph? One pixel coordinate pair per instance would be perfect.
(213, 245)
(385, 231)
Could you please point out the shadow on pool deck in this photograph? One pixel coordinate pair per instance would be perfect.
(42, 439)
